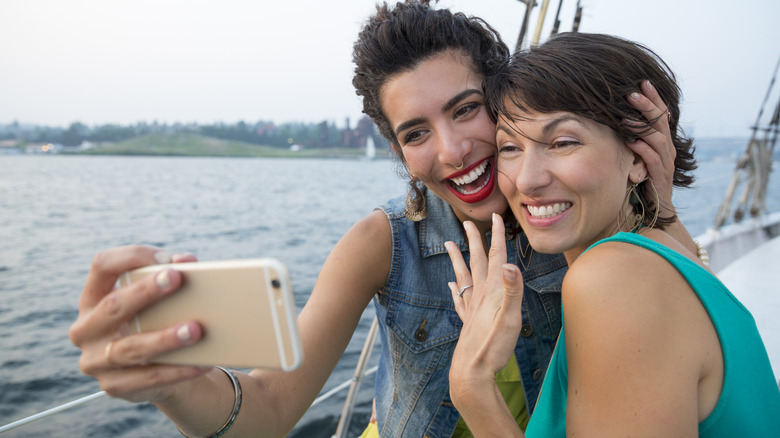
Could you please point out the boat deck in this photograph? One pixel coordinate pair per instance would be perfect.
(753, 279)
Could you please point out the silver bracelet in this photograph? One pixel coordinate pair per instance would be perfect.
(702, 253)
(238, 397)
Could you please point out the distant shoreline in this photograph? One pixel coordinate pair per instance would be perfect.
(188, 145)
(181, 145)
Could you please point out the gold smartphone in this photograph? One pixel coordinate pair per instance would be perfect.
(246, 308)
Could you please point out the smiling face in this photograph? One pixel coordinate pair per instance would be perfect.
(438, 115)
(565, 178)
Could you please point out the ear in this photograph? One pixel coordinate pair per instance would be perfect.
(638, 171)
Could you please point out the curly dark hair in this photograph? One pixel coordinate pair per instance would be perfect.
(590, 75)
(397, 39)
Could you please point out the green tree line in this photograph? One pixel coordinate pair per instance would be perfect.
(309, 135)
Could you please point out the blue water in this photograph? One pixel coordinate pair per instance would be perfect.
(57, 211)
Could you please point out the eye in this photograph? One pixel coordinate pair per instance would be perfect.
(508, 148)
(564, 143)
(414, 136)
(467, 109)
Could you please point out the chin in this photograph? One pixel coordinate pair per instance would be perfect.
(545, 245)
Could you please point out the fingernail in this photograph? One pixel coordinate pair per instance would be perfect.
(509, 272)
(162, 257)
(649, 85)
(163, 279)
(183, 333)
(179, 256)
(634, 95)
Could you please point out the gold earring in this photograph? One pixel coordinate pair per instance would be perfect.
(416, 209)
(656, 206)
(635, 219)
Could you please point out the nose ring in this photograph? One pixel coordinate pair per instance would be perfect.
(460, 166)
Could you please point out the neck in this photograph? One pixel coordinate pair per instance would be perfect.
(571, 255)
(483, 226)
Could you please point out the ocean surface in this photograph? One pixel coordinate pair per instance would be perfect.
(56, 212)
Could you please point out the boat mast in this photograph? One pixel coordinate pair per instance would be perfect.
(754, 166)
(557, 22)
(577, 18)
(540, 23)
(529, 5)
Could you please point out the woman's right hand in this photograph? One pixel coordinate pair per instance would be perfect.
(118, 359)
(490, 308)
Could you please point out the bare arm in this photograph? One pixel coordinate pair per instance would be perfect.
(273, 402)
(632, 361)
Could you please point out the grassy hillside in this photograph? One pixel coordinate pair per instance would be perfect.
(198, 145)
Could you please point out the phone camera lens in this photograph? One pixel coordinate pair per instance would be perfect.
(276, 284)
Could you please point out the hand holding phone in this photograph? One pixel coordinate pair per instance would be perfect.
(245, 306)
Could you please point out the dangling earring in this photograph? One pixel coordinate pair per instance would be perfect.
(656, 206)
(635, 220)
(416, 209)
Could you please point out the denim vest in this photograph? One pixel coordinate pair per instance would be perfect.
(419, 326)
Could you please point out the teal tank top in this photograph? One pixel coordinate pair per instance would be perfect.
(749, 403)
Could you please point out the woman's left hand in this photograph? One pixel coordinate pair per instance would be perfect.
(490, 308)
(655, 146)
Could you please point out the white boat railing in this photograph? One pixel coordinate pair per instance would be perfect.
(52, 411)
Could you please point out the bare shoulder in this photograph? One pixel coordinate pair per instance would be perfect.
(612, 266)
(630, 313)
(372, 235)
(630, 283)
(375, 223)
(362, 257)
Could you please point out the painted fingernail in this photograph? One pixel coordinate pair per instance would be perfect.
(183, 333)
(163, 279)
(649, 85)
(162, 257)
(634, 95)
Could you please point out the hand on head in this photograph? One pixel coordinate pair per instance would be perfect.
(118, 359)
(655, 146)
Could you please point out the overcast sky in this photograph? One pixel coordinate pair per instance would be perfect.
(124, 61)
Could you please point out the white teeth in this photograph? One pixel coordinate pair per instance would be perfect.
(546, 211)
(471, 176)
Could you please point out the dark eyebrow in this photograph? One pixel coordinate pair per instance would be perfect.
(558, 120)
(408, 124)
(459, 97)
(546, 129)
(446, 107)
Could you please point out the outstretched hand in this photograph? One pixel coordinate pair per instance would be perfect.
(118, 359)
(655, 146)
(489, 308)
